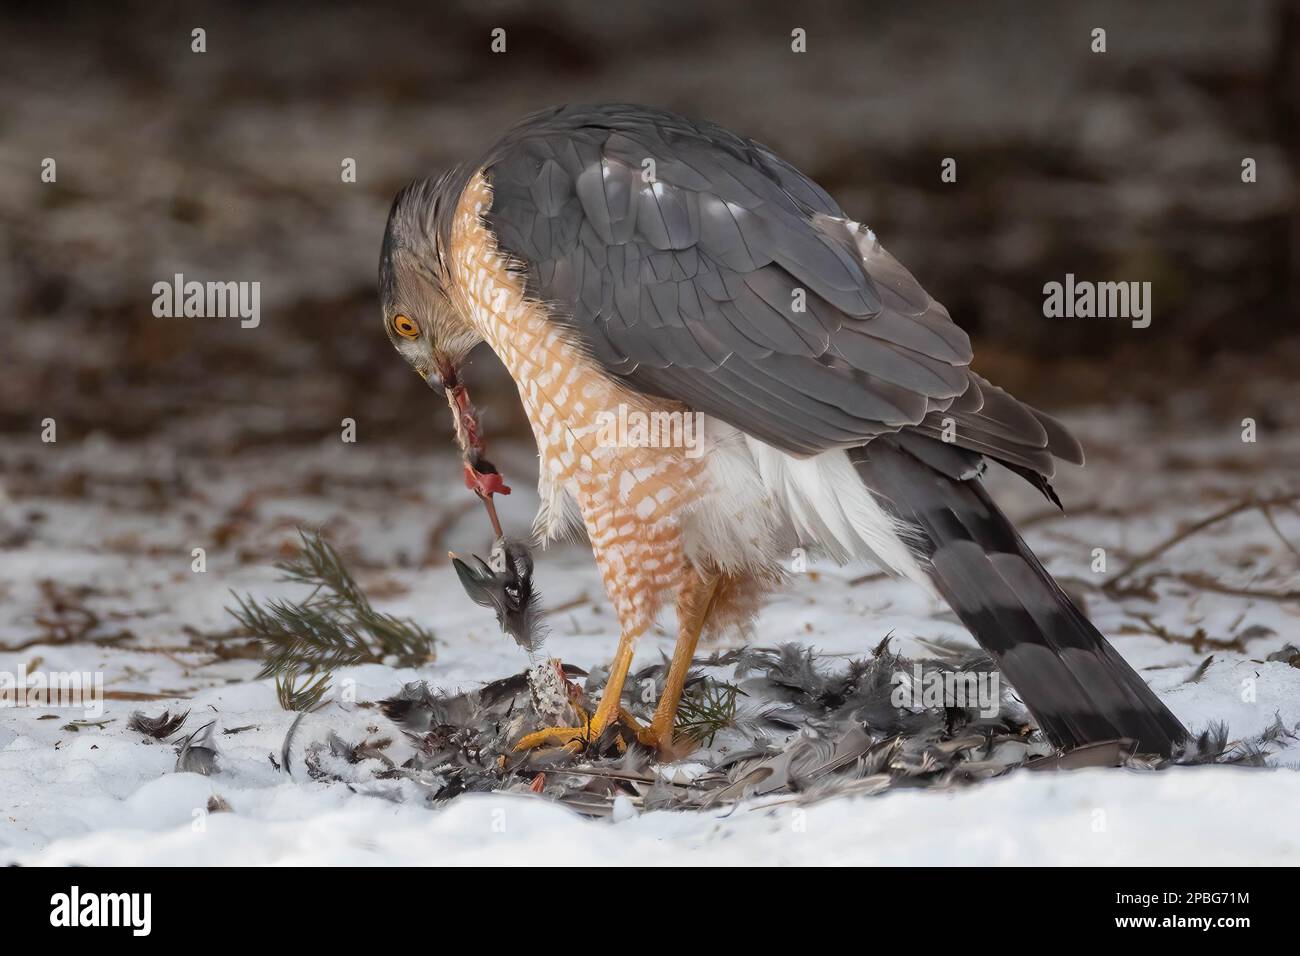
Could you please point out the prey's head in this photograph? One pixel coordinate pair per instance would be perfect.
(420, 314)
(506, 586)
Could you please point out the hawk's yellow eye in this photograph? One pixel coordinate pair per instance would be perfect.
(404, 327)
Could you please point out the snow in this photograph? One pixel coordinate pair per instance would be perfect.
(103, 794)
(1213, 815)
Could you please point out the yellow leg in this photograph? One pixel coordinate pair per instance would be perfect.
(575, 738)
(693, 606)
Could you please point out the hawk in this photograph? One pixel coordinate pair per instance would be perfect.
(622, 258)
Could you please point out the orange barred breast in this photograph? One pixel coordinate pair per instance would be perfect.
(631, 498)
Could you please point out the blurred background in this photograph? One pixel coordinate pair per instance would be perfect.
(226, 166)
(190, 451)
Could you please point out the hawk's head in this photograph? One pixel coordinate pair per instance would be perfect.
(420, 316)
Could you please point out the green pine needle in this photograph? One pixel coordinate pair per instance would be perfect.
(334, 626)
(707, 708)
(310, 696)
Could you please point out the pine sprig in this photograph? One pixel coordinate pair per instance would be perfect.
(334, 626)
(319, 565)
(706, 709)
(310, 696)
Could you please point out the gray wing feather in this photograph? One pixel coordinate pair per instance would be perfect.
(686, 286)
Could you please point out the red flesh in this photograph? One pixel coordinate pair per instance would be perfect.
(484, 484)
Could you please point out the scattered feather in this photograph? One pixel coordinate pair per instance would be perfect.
(1289, 654)
(160, 727)
(217, 804)
(197, 753)
(285, 751)
(1201, 670)
(797, 727)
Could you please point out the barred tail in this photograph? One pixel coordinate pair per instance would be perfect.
(1072, 680)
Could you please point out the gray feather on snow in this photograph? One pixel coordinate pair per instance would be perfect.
(197, 753)
(160, 727)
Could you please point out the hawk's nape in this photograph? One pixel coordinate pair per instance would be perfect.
(694, 265)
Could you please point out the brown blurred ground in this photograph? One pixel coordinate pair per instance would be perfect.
(225, 166)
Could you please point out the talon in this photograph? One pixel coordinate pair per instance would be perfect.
(626, 717)
(577, 739)
(608, 712)
(574, 739)
(664, 744)
(649, 737)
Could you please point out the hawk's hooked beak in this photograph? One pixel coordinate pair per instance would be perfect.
(441, 376)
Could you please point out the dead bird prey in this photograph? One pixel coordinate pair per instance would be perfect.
(808, 727)
(505, 584)
(629, 263)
